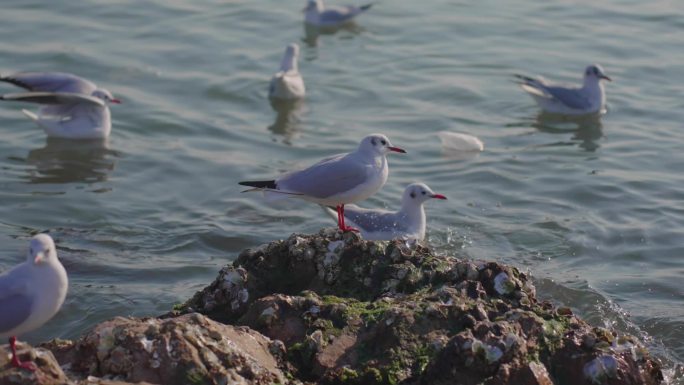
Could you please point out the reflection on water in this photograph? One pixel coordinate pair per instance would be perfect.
(587, 129)
(287, 120)
(66, 161)
(312, 32)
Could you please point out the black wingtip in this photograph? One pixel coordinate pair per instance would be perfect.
(18, 83)
(366, 7)
(259, 184)
(524, 78)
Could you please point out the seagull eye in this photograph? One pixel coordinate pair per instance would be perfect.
(423, 192)
(384, 142)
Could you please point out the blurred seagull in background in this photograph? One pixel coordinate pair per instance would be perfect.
(287, 83)
(381, 225)
(74, 107)
(319, 15)
(569, 100)
(337, 180)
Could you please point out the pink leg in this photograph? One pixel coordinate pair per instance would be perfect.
(15, 360)
(343, 226)
(339, 217)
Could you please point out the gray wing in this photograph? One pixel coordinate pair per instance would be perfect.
(571, 97)
(326, 178)
(53, 98)
(51, 82)
(375, 220)
(338, 14)
(15, 304)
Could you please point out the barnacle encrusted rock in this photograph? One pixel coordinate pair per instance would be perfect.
(190, 349)
(356, 312)
(332, 308)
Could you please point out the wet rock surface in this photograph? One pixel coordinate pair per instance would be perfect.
(334, 309)
(359, 312)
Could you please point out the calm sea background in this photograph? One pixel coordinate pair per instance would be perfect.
(593, 208)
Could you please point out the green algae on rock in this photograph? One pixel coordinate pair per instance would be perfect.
(357, 312)
(334, 309)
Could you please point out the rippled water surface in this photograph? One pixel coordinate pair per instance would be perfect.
(593, 208)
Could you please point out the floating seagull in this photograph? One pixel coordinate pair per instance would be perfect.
(382, 225)
(569, 100)
(454, 141)
(31, 293)
(319, 15)
(76, 108)
(337, 180)
(288, 83)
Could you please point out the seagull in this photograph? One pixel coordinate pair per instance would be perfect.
(288, 83)
(337, 180)
(569, 100)
(74, 107)
(31, 293)
(382, 225)
(319, 15)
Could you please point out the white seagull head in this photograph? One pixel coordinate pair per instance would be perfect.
(292, 50)
(105, 95)
(378, 144)
(41, 250)
(314, 5)
(417, 193)
(595, 73)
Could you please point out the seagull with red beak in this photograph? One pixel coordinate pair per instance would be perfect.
(381, 225)
(337, 180)
(74, 107)
(31, 293)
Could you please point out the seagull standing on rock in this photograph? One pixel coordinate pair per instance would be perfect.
(337, 180)
(75, 107)
(31, 293)
(569, 100)
(287, 84)
(382, 225)
(319, 15)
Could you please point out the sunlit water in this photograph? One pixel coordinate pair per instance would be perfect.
(593, 208)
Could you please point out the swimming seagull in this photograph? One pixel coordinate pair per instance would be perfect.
(569, 100)
(382, 225)
(288, 83)
(319, 15)
(75, 107)
(31, 293)
(337, 180)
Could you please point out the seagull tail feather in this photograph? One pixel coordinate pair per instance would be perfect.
(260, 184)
(525, 79)
(30, 114)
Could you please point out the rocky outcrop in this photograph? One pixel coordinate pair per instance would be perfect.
(358, 312)
(48, 370)
(190, 349)
(334, 309)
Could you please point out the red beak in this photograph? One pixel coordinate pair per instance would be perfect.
(397, 149)
(606, 77)
(438, 196)
(115, 101)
